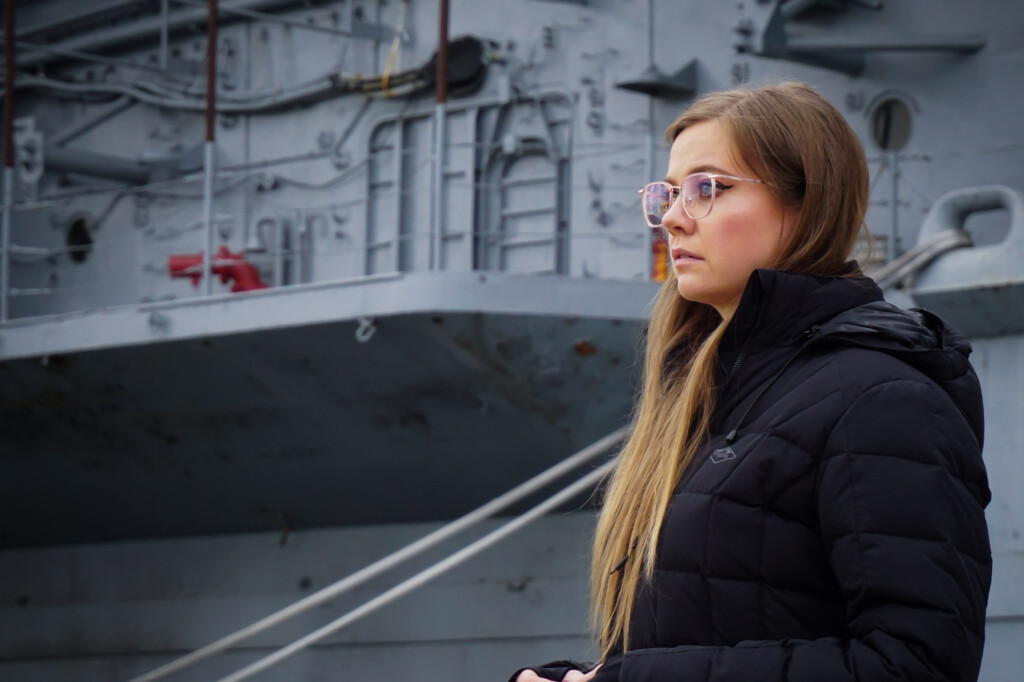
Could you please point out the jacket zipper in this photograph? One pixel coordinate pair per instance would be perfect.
(739, 361)
(809, 338)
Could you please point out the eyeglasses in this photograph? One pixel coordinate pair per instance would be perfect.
(697, 192)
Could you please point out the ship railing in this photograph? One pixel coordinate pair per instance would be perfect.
(165, 258)
(516, 494)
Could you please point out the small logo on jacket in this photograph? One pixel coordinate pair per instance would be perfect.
(722, 454)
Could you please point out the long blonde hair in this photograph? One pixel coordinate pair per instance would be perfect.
(807, 154)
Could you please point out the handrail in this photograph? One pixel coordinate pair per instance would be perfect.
(390, 561)
(918, 257)
(426, 575)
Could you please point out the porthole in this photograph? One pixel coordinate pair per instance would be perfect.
(891, 124)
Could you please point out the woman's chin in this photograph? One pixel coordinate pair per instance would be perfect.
(723, 304)
(685, 287)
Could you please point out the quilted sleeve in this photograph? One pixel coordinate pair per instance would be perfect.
(901, 496)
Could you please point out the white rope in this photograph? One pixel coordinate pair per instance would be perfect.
(387, 563)
(424, 576)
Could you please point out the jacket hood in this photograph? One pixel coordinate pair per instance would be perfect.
(796, 309)
(919, 338)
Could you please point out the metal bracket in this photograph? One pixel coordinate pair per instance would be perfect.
(652, 82)
(28, 152)
(159, 323)
(763, 33)
(367, 328)
(979, 290)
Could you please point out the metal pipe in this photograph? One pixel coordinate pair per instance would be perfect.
(567, 187)
(319, 90)
(85, 56)
(211, 70)
(894, 229)
(277, 251)
(910, 262)
(144, 30)
(5, 240)
(165, 9)
(442, 54)
(396, 558)
(211, 113)
(651, 170)
(63, 160)
(37, 291)
(962, 43)
(69, 18)
(440, 138)
(402, 241)
(437, 227)
(273, 18)
(85, 124)
(10, 64)
(425, 576)
(794, 8)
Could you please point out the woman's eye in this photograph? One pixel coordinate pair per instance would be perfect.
(719, 186)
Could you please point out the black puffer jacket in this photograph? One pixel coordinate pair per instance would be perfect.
(833, 529)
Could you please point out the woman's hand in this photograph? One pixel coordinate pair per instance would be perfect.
(579, 676)
(571, 676)
(530, 676)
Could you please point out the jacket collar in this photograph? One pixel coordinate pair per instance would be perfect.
(778, 308)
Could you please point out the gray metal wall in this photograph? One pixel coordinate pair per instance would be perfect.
(1000, 366)
(106, 613)
(109, 612)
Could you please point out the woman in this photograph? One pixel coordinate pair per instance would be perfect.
(801, 496)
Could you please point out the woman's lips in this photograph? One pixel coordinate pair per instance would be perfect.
(683, 257)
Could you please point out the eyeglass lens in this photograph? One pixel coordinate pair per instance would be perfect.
(657, 198)
(697, 194)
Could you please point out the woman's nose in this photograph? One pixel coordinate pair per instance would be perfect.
(676, 219)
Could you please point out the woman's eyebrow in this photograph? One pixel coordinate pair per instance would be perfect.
(704, 168)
